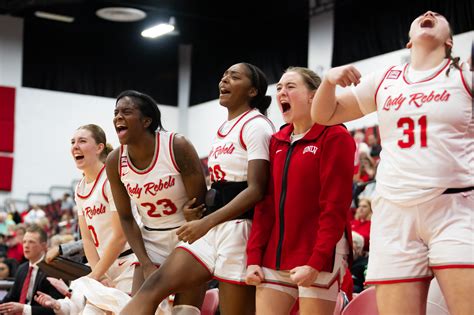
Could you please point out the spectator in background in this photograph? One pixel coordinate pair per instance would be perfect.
(29, 279)
(4, 271)
(361, 147)
(67, 203)
(366, 170)
(359, 265)
(35, 215)
(15, 248)
(5, 223)
(20, 230)
(374, 146)
(361, 222)
(3, 246)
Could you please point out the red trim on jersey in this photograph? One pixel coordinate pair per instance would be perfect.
(137, 264)
(230, 281)
(152, 165)
(398, 280)
(283, 284)
(103, 190)
(380, 84)
(427, 79)
(196, 257)
(172, 153)
(120, 160)
(93, 187)
(221, 135)
(241, 138)
(452, 267)
(464, 83)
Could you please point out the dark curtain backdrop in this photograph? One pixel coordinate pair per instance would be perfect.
(103, 58)
(272, 42)
(363, 29)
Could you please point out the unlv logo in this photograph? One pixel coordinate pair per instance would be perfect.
(393, 74)
(310, 149)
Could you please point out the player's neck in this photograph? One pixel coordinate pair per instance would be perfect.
(237, 111)
(92, 172)
(302, 126)
(141, 153)
(425, 58)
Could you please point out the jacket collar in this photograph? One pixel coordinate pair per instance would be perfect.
(285, 133)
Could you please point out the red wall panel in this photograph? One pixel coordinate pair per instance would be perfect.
(6, 173)
(7, 118)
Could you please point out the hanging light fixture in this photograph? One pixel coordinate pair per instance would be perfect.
(160, 29)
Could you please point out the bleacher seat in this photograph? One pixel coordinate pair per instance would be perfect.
(364, 303)
(211, 302)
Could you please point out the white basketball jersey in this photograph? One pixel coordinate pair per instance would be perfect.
(427, 134)
(158, 190)
(239, 140)
(95, 202)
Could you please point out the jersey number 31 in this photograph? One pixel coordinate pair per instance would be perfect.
(408, 125)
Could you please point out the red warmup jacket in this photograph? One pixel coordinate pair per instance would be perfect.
(306, 209)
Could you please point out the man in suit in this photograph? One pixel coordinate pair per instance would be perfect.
(29, 278)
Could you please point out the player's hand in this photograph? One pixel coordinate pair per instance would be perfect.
(192, 213)
(45, 300)
(52, 253)
(194, 230)
(304, 276)
(59, 285)
(343, 76)
(11, 308)
(254, 275)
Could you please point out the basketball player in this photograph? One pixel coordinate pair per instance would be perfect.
(159, 171)
(311, 169)
(105, 245)
(238, 163)
(422, 220)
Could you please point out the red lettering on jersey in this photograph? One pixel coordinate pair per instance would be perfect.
(419, 99)
(225, 149)
(90, 212)
(395, 102)
(153, 188)
(134, 190)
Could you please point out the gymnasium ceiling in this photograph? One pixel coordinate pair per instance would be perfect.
(269, 33)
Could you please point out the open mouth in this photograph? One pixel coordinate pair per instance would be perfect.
(223, 91)
(79, 157)
(285, 106)
(427, 23)
(120, 129)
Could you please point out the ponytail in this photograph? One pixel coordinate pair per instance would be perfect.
(259, 82)
(107, 149)
(454, 60)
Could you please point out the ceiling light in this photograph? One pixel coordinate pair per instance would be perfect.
(54, 17)
(121, 14)
(160, 29)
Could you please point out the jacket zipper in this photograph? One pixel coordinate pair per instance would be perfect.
(282, 204)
